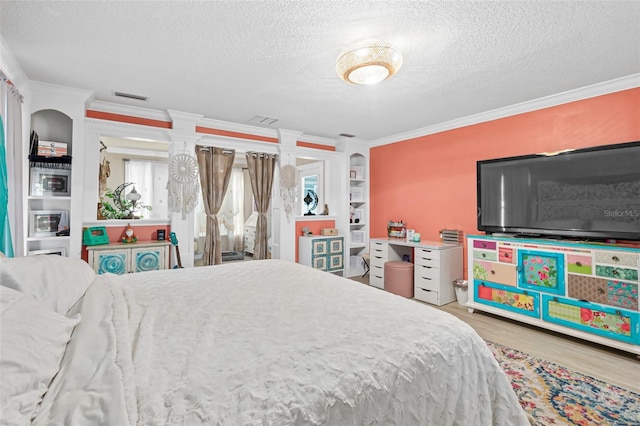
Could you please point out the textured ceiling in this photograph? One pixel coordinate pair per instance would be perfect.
(232, 60)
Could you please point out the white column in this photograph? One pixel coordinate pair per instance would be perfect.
(183, 141)
(284, 231)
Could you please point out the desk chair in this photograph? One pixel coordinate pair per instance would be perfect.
(366, 258)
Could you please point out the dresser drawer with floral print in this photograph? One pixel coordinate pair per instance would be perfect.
(509, 298)
(614, 323)
(601, 290)
(495, 272)
(626, 274)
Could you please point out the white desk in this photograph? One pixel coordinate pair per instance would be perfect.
(436, 265)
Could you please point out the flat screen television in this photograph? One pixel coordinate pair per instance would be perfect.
(591, 193)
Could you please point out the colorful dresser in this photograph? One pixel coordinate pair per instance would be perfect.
(589, 291)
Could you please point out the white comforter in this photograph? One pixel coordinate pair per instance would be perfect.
(270, 343)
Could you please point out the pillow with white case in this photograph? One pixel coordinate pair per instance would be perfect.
(57, 281)
(33, 340)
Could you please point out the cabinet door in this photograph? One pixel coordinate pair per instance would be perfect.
(336, 254)
(147, 259)
(336, 246)
(539, 270)
(319, 247)
(111, 261)
(336, 262)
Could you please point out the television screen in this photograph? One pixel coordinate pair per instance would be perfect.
(591, 193)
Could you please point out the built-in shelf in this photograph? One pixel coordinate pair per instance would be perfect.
(316, 217)
(61, 238)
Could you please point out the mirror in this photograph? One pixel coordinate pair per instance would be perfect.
(311, 200)
(132, 179)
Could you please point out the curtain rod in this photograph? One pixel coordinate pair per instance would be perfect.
(207, 149)
(261, 154)
(12, 88)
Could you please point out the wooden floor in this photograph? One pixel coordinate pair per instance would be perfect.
(611, 365)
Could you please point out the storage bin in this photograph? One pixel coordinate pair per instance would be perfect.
(398, 278)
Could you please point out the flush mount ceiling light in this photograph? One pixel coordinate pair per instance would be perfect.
(369, 63)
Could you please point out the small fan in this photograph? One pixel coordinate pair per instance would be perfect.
(311, 200)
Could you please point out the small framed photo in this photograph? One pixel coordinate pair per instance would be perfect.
(357, 194)
(45, 223)
(359, 172)
(352, 174)
(45, 181)
(358, 216)
(357, 237)
(60, 251)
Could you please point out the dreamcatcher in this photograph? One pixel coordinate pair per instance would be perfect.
(288, 188)
(183, 185)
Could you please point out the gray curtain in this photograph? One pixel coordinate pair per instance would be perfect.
(214, 168)
(261, 170)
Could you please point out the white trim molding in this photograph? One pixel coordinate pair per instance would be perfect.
(599, 89)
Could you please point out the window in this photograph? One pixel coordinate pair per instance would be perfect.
(312, 179)
(150, 180)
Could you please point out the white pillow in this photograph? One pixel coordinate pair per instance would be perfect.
(33, 339)
(57, 281)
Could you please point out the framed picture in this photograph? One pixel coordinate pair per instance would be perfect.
(46, 181)
(45, 223)
(357, 237)
(60, 251)
(358, 216)
(352, 174)
(357, 194)
(359, 172)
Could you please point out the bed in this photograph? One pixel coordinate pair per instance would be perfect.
(266, 342)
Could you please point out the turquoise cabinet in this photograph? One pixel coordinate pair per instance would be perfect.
(121, 258)
(325, 253)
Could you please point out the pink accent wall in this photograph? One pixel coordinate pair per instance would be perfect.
(430, 181)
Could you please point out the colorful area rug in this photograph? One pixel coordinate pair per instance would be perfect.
(553, 395)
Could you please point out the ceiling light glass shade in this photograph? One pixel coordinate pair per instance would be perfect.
(369, 64)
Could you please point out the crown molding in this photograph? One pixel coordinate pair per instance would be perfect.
(11, 67)
(129, 110)
(237, 127)
(599, 89)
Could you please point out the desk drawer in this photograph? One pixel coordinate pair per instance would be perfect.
(426, 271)
(428, 296)
(376, 270)
(376, 280)
(427, 258)
(379, 249)
(378, 260)
(426, 283)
